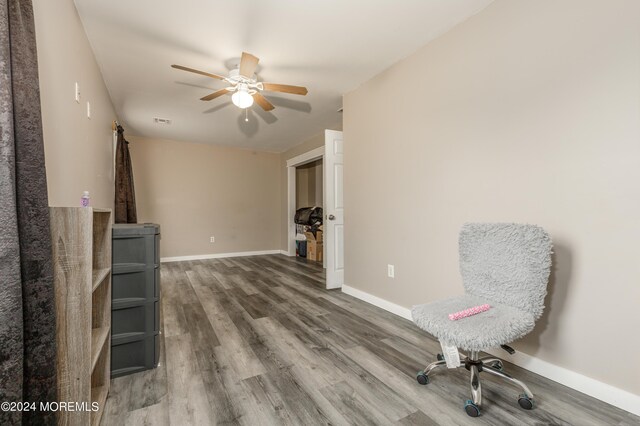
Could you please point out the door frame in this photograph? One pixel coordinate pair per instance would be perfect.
(292, 163)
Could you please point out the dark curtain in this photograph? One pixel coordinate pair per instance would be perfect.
(27, 307)
(125, 193)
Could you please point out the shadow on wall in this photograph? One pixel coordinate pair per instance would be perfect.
(557, 290)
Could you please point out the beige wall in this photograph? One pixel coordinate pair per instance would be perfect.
(527, 112)
(309, 185)
(196, 191)
(78, 150)
(302, 187)
(319, 183)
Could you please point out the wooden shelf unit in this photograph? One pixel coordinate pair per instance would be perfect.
(99, 276)
(81, 239)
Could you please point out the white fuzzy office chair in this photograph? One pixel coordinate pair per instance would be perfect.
(506, 266)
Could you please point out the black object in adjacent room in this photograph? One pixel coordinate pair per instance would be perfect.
(135, 309)
(311, 216)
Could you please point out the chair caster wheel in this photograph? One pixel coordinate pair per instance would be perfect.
(422, 378)
(525, 402)
(471, 409)
(440, 357)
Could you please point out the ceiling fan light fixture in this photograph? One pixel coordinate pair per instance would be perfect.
(245, 86)
(242, 99)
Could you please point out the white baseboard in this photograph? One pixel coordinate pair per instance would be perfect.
(611, 395)
(401, 311)
(221, 255)
(592, 387)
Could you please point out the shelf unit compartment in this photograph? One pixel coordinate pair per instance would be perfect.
(134, 319)
(131, 357)
(100, 382)
(132, 285)
(98, 276)
(99, 337)
(101, 242)
(101, 304)
(98, 395)
(132, 249)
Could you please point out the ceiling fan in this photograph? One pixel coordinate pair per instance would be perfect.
(245, 86)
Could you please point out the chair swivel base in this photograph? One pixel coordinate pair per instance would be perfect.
(475, 366)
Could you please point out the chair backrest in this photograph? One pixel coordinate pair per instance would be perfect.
(507, 263)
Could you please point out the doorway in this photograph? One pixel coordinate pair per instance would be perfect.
(309, 208)
(299, 167)
(331, 155)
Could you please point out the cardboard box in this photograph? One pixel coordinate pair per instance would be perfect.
(314, 246)
(310, 237)
(314, 251)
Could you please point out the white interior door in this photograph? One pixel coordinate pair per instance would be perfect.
(334, 208)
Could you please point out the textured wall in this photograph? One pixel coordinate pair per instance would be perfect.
(527, 112)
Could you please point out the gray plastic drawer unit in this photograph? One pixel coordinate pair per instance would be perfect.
(135, 307)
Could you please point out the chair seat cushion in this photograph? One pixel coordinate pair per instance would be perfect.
(498, 326)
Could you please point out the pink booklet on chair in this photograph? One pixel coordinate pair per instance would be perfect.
(468, 312)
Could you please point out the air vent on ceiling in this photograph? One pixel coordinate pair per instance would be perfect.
(159, 120)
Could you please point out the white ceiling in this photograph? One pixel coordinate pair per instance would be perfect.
(329, 46)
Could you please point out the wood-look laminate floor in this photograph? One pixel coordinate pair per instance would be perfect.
(259, 341)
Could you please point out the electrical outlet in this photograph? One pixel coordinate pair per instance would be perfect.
(212, 239)
(77, 92)
(391, 272)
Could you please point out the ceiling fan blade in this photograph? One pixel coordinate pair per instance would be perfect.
(214, 95)
(296, 90)
(263, 102)
(248, 64)
(180, 67)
